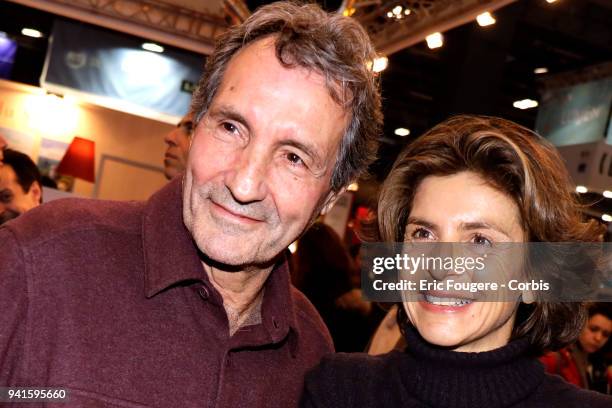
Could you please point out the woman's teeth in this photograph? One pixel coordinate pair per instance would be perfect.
(445, 301)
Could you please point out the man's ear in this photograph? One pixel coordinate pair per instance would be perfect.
(36, 193)
(330, 200)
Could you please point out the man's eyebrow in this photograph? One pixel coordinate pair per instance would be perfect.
(224, 111)
(306, 148)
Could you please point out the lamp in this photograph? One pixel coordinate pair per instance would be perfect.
(79, 160)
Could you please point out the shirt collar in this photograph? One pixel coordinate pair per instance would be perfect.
(171, 256)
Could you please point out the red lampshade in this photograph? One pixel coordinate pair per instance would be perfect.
(79, 160)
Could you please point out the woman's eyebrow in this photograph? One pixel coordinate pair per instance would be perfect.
(483, 225)
(421, 222)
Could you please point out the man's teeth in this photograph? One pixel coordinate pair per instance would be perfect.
(445, 301)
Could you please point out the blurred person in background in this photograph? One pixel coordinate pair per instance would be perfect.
(20, 185)
(2, 147)
(178, 141)
(322, 268)
(583, 363)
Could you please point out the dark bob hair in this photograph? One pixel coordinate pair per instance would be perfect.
(517, 162)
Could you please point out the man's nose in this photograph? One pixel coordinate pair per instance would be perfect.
(247, 180)
(170, 138)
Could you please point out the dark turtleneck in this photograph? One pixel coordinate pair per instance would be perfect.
(428, 376)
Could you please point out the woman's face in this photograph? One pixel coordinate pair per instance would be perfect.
(462, 208)
(596, 333)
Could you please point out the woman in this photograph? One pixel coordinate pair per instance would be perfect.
(582, 363)
(484, 181)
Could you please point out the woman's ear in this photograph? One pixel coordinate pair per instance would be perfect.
(527, 296)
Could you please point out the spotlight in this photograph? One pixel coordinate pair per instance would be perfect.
(581, 189)
(152, 47)
(30, 32)
(525, 104)
(402, 131)
(434, 40)
(485, 19)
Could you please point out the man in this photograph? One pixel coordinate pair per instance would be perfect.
(185, 300)
(2, 147)
(20, 185)
(178, 141)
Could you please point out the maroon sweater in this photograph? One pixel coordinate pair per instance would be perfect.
(110, 301)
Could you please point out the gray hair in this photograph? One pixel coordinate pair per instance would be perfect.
(335, 46)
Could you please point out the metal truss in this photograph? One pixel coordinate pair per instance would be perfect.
(392, 33)
(154, 19)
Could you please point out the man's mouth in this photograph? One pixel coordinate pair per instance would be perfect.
(234, 214)
(8, 215)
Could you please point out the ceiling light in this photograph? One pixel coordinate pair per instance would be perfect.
(390, 14)
(525, 104)
(434, 40)
(550, 1)
(380, 64)
(607, 193)
(485, 19)
(581, 189)
(353, 187)
(152, 47)
(30, 32)
(606, 217)
(349, 12)
(397, 10)
(402, 131)
(541, 70)
(407, 11)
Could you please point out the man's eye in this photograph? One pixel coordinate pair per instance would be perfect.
(228, 127)
(6, 197)
(188, 127)
(295, 159)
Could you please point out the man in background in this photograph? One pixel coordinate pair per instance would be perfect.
(20, 185)
(177, 150)
(2, 147)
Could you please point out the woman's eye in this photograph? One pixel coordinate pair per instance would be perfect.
(421, 233)
(480, 240)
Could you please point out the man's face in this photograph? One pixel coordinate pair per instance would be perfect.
(13, 200)
(261, 160)
(178, 140)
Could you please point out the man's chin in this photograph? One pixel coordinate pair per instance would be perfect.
(8, 215)
(234, 261)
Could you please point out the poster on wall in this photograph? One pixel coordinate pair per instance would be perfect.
(114, 71)
(51, 153)
(8, 49)
(575, 114)
(20, 141)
